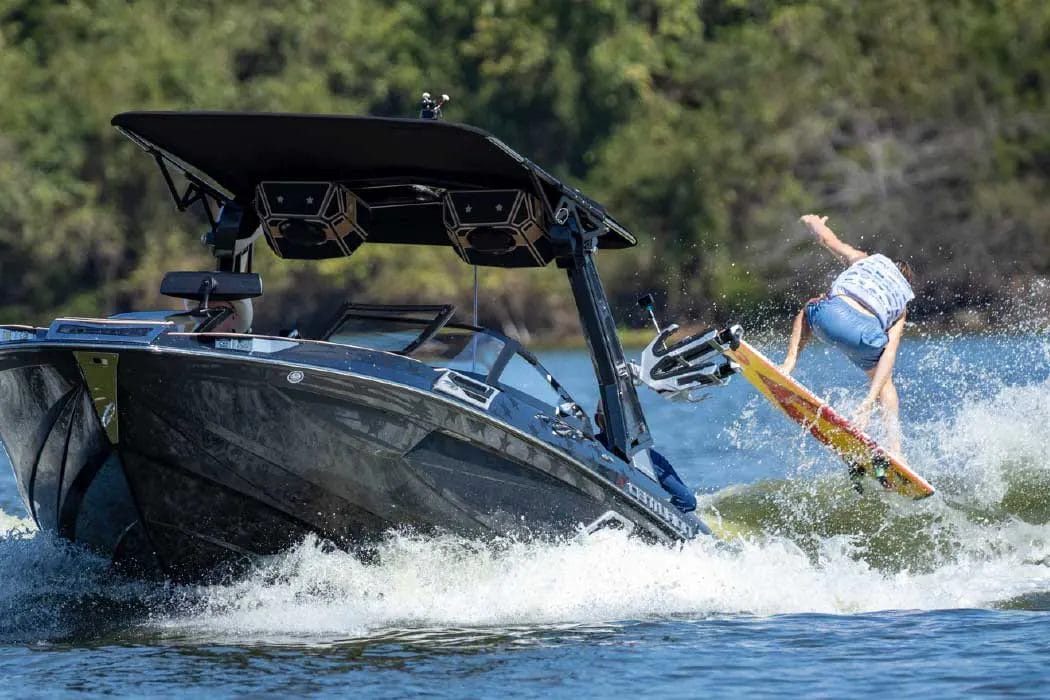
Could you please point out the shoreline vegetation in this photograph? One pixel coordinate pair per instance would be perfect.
(707, 128)
(635, 338)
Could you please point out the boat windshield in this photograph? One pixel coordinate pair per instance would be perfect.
(463, 349)
(427, 337)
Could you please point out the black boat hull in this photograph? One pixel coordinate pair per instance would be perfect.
(203, 462)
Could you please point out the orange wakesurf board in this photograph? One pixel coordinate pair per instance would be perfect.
(859, 451)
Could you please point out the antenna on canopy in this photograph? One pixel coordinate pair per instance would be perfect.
(474, 359)
(475, 295)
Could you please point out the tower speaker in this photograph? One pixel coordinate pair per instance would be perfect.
(309, 220)
(502, 228)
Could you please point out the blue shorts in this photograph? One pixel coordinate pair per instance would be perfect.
(860, 336)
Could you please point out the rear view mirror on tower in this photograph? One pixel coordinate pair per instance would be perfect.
(214, 286)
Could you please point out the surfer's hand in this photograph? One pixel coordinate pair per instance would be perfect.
(815, 223)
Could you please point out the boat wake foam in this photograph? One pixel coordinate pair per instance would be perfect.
(804, 545)
(447, 582)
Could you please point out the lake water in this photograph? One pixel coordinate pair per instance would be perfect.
(822, 592)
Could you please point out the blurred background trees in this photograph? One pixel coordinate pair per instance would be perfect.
(922, 129)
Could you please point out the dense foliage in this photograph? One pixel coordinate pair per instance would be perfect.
(922, 128)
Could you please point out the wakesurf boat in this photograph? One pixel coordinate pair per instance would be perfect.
(185, 447)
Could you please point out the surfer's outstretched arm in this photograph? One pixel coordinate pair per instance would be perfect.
(817, 226)
(800, 332)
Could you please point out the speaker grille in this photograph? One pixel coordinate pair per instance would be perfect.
(497, 227)
(310, 220)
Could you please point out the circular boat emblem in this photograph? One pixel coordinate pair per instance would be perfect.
(295, 377)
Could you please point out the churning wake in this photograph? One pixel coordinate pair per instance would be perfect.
(802, 544)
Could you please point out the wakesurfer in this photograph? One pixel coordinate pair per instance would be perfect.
(863, 316)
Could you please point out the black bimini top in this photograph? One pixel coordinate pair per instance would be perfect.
(392, 181)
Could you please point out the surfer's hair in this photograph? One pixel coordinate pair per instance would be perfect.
(905, 268)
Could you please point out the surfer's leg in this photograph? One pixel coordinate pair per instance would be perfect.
(890, 403)
(800, 333)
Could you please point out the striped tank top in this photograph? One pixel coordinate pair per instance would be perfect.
(878, 285)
